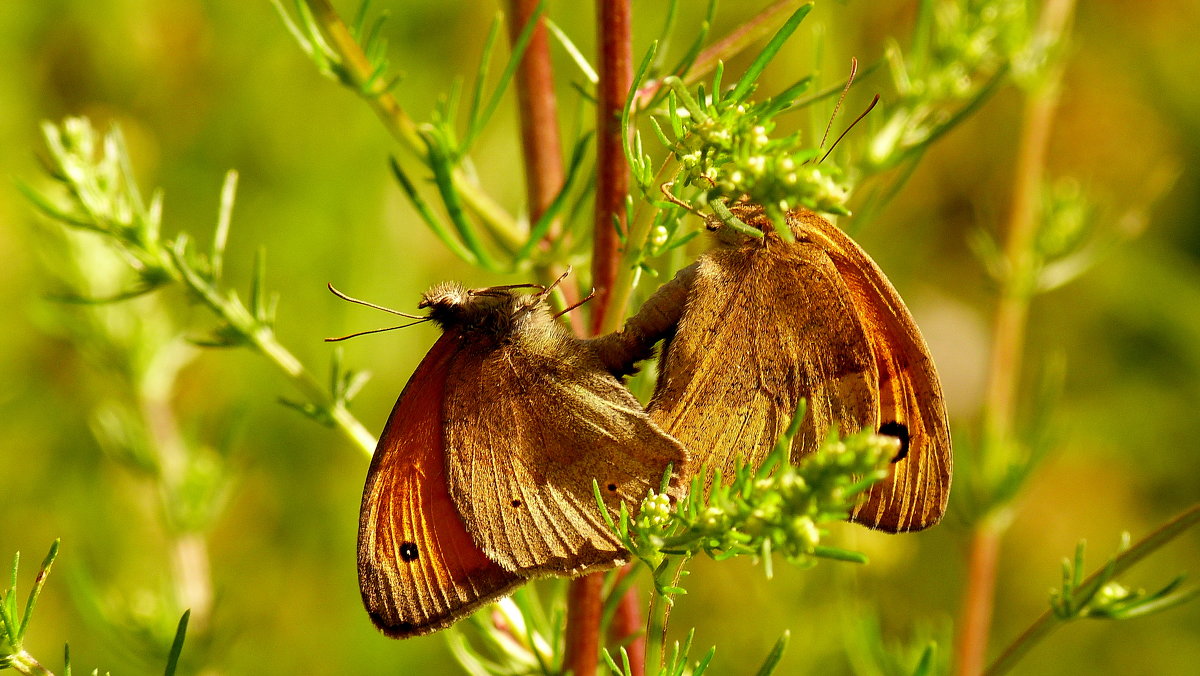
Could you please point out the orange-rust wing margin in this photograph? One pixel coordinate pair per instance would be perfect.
(418, 569)
(915, 494)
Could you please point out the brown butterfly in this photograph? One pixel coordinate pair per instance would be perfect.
(758, 323)
(483, 476)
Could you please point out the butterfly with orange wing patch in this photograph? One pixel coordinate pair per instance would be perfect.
(483, 476)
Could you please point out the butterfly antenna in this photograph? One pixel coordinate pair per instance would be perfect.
(591, 295)
(856, 121)
(389, 310)
(495, 290)
(364, 333)
(559, 280)
(849, 81)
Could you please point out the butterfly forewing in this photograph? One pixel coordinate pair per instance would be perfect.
(550, 422)
(418, 569)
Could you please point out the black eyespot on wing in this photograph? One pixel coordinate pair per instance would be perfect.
(516, 503)
(612, 488)
(900, 431)
(408, 551)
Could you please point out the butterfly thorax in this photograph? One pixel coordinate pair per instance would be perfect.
(454, 307)
(492, 317)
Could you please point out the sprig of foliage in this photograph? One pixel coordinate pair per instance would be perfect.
(14, 624)
(1100, 596)
(1106, 599)
(332, 63)
(869, 651)
(517, 635)
(137, 349)
(679, 663)
(97, 192)
(718, 148)
(778, 508)
(721, 141)
(960, 51)
(1066, 243)
(474, 226)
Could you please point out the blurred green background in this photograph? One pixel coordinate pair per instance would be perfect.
(202, 87)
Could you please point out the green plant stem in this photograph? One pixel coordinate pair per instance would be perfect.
(1048, 621)
(656, 615)
(1008, 343)
(656, 629)
(24, 663)
(631, 254)
(342, 418)
(499, 222)
(263, 338)
(187, 551)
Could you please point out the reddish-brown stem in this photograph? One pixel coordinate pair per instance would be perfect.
(539, 113)
(977, 607)
(1013, 309)
(612, 174)
(627, 623)
(1008, 344)
(1008, 339)
(540, 141)
(583, 625)
(612, 184)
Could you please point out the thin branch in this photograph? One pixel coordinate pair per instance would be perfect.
(538, 109)
(1008, 343)
(1048, 622)
(400, 125)
(627, 626)
(979, 596)
(615, 61)
(635, 240)
(24, 663)
(187, 551)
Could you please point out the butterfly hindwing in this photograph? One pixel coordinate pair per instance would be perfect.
(548, 421)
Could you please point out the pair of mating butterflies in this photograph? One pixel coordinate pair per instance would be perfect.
(483, 477)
